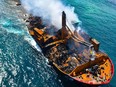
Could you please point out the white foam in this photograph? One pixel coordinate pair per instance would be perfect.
(32, 42)
(1, 79)
(0, 51)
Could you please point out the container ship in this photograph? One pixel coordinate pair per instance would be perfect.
(71, 53)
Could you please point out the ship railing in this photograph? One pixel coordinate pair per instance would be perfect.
(100, 60)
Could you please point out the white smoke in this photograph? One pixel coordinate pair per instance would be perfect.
(50, 10)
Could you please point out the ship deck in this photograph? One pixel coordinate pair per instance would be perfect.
(73, 56)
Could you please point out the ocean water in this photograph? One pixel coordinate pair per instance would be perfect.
(23, 66)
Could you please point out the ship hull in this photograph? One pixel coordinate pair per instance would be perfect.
(69, 81)
(72, 81)
(72, 56)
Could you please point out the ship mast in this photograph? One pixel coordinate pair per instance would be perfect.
(64, 30)
(63, 20)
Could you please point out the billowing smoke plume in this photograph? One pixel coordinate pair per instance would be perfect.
(50, 10)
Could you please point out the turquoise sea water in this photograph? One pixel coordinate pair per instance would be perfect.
(23, 66)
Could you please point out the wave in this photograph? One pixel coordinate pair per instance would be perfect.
(112, 1)
(32, 42)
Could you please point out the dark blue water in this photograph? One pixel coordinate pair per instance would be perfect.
(23, 66)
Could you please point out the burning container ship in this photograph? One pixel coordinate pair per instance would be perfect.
(74, 55)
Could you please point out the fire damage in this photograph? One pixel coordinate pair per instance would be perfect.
(74, 54)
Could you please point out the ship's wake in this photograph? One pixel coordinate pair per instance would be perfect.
(32, 42)
(10, 27)
(15, 24)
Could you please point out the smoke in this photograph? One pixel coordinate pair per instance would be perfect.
(50, 10)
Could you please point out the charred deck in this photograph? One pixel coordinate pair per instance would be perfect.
(74, 54)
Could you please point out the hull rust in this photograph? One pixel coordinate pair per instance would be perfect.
(73, 54)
